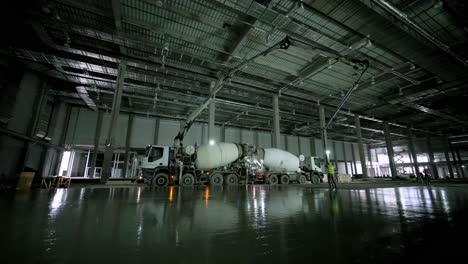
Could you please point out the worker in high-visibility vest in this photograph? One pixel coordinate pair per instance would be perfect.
(331, 176)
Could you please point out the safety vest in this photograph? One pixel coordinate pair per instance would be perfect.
(331, 169)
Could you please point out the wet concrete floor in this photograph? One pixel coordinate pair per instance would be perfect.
(241, 224)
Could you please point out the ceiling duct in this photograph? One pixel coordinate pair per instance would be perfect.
(83, 93)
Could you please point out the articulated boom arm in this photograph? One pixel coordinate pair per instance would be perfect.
(283, 44)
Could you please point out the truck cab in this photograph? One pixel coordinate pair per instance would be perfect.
(156, 158)
(313, 166)
(314, 163)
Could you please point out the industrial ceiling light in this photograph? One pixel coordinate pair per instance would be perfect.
(164, 53)
(438, 4)
(400, 91)
(412, 67)
(46, 9)
(372, 80)
(330, 63)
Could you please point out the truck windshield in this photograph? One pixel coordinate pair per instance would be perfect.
(147, 151)
(317, 162)
(155, 153)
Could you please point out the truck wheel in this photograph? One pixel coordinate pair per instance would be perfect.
(160, 180)
(216, 179)
(273, 179)
(302, 179)
(187, 180)
(231, 179)
(315, 179)
(284, 179)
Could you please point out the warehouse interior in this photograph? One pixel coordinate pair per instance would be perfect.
(378, 88)
(61, 63)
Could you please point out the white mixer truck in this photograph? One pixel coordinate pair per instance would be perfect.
(219, 163)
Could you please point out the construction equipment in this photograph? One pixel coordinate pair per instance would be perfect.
(312, 167)
(218, 164)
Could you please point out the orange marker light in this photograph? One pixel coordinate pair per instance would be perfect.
(171, 193)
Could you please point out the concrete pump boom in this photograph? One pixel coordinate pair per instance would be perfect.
(283, 44)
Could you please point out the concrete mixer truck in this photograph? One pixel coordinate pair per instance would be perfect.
(219, 163)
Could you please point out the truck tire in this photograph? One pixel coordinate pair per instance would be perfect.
(273, 179)
(315, 179)
(216, 179)
(160, 180)
(284, 179)
(187, 180)
(231, 179)
(302, 179)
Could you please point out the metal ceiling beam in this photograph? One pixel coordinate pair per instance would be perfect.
(119, 18)
(105, 36)
(131, 76)
(304, 101)
(402, 17)
(434, 112)
(301, 32)
(118, 21)
(411, 45)
(308, 71)
(411, 96)
(242, 36)
(243, 105)
(221, 102)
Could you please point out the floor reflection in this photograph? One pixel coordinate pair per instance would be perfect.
(242, 223)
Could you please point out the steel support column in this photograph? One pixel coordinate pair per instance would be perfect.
(313, 151)
(354, 159)
(156, 131)
(370, 160)
(362, 155)
(223, 134)
(455, 161)
(460, 163)
(435, 173)
(127, 145)
(276, 123)
(63, 137)
(256, 137)
(211, 115)
(412, 148)
(445, 141)
(286, 145)
(97, 136)
(345, 158)
(323, 129)
(390, 153)
(334, 154)
(110, 141)
(298, 144)
(377, 172)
